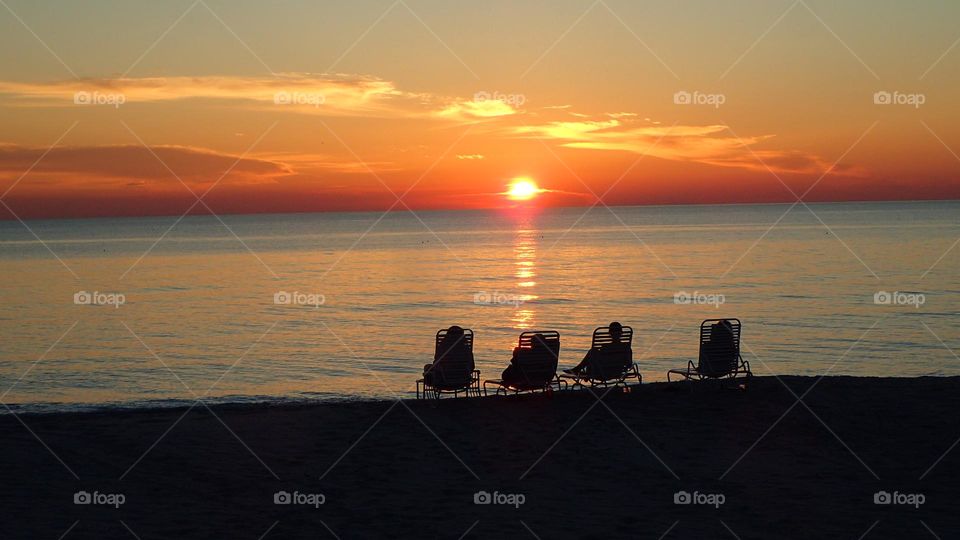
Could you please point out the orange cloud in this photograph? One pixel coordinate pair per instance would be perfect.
(709, 144)
(134, 162)
(304, 93)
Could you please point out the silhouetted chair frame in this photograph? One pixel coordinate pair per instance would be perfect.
(537, 366)
(452, 375)
(606, 369)
(723, 364)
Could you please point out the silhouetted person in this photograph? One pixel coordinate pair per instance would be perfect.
(722, 346)
(615, 346)
(513, 375)
(451, 348)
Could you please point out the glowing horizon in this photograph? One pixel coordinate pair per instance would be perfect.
(142, 122)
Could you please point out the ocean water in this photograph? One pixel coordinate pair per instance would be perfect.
(176, 311)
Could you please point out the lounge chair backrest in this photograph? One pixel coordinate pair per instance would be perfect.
(609, 362)
(454, 370)
(538, 356)
(719, 347)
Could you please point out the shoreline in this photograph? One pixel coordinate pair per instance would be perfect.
(586, 467)
(282, 402)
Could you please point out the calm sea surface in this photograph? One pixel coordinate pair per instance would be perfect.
(199, 316)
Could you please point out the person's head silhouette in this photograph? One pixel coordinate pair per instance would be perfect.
(453, 338)
(616, 331)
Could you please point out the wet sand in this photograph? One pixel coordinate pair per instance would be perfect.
(581, 467)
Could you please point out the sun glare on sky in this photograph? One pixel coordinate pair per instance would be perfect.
(522, 189)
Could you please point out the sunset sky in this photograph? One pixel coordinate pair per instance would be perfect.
(312, 106)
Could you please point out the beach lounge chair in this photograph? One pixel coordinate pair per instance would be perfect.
(535, 364)
(609, 363)
(719, 353)
(453, 374)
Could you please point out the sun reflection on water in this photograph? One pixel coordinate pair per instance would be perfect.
(525, 271)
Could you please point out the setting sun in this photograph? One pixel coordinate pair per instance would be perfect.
(522, 189)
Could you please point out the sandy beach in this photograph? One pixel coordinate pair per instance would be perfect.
(562, 466)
